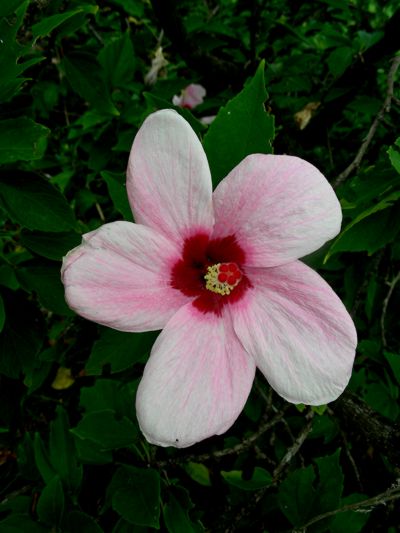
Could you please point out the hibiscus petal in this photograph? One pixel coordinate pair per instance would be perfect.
(196, 381)
(168, 178)
(279, 207)
(298, 331)
(120, 277)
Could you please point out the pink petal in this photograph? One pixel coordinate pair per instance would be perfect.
(279, 207)
(196, 381)
(120, 277)
(169, 181)
(299, 332)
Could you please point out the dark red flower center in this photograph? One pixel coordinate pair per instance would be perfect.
(210, 270)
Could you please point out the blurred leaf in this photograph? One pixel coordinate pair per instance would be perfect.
(9, 6)
(63, 379)
(87, 79)
(136, 496)
(259, 479)
(296, 495)
(241, 128)
(50, 245)
(50, 507)
(118, 61)
(117, 191)
(34, 203)
(63, 453)
(339, 60)
(18, 523)
(45, 281)
(106, 430)
(119, 349)
(198, 472)
(78, 522)
(22, 139)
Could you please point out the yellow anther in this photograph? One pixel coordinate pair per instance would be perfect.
(222, 278)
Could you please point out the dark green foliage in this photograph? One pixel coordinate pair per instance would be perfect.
(306, 79)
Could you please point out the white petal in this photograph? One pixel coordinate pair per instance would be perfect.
(279, 208)
(298, 331)
(120, 277)
(169, 181)
(196, 381)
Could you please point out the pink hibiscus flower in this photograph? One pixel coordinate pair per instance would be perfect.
(219, 272)
(190, 97)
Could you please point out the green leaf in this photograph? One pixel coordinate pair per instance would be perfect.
(296, 495)
(45, 281)
(260, 478)
(330, 486)
(50, 245)
(394, 155)
(241, 128)
(81, 522)
(349, 521)
(48, 24)
(198, 472)
(379, 397)
(51, 503)
(87, 79)
(62, 450)
(119, 349)
(106, 430)
(176, 517)
(117, 191)
(22, 139)
(118, 61)
(42, 460)
(370, 230)
(394, 361)
(110, 394)
(89, 452)
(34, 203)
(137, 498)
(339, 60)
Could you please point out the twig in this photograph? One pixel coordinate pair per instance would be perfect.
(379, 117)
(392, 285)
(293, 450)
(379, 499)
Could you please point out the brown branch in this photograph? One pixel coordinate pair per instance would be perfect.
(374, 126)
(362, 421)
(392, 493)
